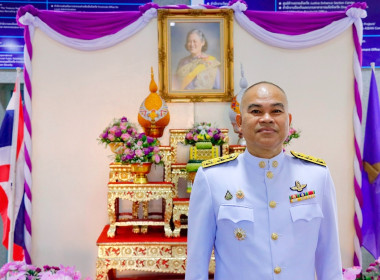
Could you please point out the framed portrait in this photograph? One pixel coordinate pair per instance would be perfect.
(195, 55)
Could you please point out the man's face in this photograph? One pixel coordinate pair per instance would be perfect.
(264, 119)
(194, 44)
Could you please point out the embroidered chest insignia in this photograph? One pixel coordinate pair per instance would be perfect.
(228, 196)
(219, 160)
(239, 194)
(240, 234)
(308, 158)
(298, 187)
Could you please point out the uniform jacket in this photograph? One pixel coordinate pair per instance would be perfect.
(262, 235)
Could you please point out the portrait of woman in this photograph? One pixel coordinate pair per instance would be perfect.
(198, 70)
(195, 63)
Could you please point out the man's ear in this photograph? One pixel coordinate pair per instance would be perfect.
(290, 119)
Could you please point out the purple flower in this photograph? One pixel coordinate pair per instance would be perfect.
(141, 135)
(124, 119)
(371, 269)
(131, 155)
(216, 136)
(146, 151)
(118, 132)
(104, 135)
(149, 139)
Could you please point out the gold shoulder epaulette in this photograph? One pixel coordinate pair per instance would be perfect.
(308, 158)
(219, 160)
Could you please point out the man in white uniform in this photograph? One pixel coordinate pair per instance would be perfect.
(266, 214)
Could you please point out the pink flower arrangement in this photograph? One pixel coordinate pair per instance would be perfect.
(293, 133)
(356, 273)
(22, 271)
(120, 130)
(138, 149)
(203, 132)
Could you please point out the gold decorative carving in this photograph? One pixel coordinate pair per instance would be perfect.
(176, 136)
(120, 172)
(179, 208)
(178, 171)
(167, 158)
(163, 258)
(140, 193)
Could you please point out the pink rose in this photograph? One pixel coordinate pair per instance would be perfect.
(156, 149)
(139, 153)
(189, 136)
(111, 137)
(125, 136)
(122, 126)
(139, 143)
(157, 158)
(351, 273)
(113, 129)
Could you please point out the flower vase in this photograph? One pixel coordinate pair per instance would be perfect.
(140, 170)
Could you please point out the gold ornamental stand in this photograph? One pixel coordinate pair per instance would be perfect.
(160, 250)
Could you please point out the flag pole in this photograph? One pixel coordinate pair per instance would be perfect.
(16, 96)
(373, 66)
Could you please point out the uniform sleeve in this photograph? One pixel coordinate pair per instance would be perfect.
(328, 259)
(201, 229)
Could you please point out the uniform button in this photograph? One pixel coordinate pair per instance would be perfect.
(262, 164)
(277, 270)
(270, 174)
(272, 204)
(274, 236)
(275, 163)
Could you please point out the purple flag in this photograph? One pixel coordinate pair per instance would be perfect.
(371, 178)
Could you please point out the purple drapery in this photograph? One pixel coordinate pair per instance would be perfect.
(83, 25)
(293, 23)
(92, 25)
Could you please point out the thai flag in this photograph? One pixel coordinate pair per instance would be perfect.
(12, 193)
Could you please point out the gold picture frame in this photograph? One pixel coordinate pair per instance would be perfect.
(195, 55)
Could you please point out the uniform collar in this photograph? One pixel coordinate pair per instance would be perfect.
(264, 163)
